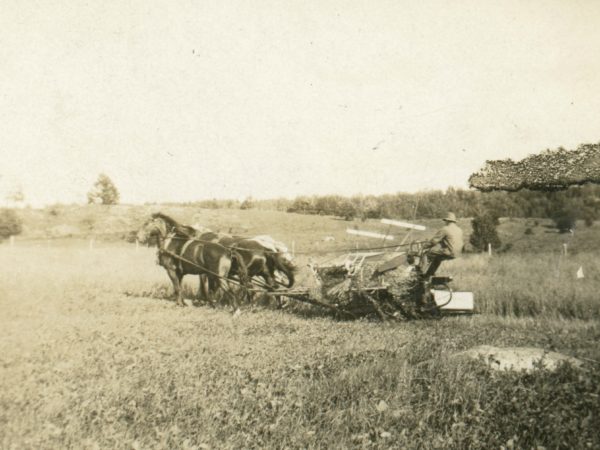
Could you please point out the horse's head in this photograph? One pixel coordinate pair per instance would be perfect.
(154, 228)
(287, 258)
(276, 247)
(285, 255)
(284, 263)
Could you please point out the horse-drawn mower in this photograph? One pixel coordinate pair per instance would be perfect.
(390, 285)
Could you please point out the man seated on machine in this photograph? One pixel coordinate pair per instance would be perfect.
(445, 245)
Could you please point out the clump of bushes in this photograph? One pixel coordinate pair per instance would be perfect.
(588, 217)
(248, 203)
(347, 211)
(10, 223)
(565, 221)
(54, 210)
(485, 231)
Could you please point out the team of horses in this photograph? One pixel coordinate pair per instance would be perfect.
(227, 265)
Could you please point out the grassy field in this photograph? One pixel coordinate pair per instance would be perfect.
(92, 355)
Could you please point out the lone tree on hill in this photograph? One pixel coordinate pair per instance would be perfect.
(103, 192)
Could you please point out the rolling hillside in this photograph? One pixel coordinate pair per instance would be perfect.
(307, 233)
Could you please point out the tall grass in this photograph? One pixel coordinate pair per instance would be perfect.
(538, 285)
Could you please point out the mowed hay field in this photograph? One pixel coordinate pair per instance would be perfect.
(93, 355)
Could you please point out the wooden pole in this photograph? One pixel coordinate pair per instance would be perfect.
(293, 248)
(387, 233)
(137, 245)
(489, 249)
(565, 245)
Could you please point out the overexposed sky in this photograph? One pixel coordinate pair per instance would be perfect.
(187, 100)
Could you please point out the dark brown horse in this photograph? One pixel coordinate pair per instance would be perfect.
(259, 256)
(181, 254)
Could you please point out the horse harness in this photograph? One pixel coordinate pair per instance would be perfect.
(180, 259)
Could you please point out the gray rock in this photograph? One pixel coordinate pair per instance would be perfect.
(518, 358)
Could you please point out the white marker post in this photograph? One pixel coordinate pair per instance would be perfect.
(489, 249)
(12, 241)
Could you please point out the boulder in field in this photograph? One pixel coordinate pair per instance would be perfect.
(519, 358)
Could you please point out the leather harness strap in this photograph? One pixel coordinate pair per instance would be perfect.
(182, 252)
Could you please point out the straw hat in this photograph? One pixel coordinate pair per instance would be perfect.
(450, 217)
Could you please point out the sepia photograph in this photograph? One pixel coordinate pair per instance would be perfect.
(302, 224)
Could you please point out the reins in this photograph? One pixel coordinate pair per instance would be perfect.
(345, 250)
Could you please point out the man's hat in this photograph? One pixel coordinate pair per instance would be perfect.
(450, 217)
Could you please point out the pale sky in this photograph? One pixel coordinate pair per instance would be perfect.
(188, 100)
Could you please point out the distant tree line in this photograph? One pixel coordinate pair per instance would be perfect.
(580, 202)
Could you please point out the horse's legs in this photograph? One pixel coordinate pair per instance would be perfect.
(269, 280)
(212, 290)
(176, 277)
(272, 283)
(203, 288)
(223, 284)
(222, 290)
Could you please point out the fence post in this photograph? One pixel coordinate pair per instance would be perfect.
(91, 243)
(489, 249)
(565, 245)
(294, 248)
(137, 245)
(12, 241)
